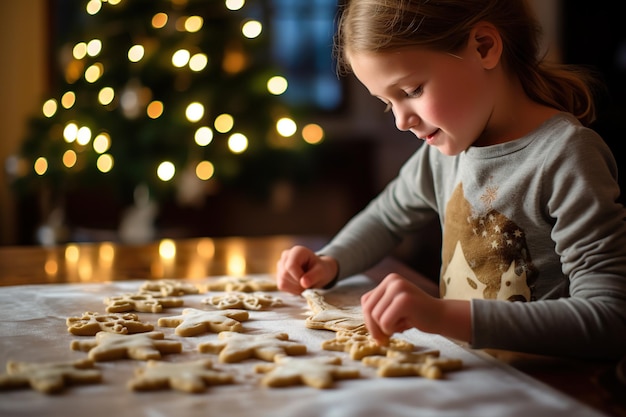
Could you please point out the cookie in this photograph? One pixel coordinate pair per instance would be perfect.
(142, 302)
(235, 347)
(316, 372)
(194, 322)
(141, 346)
(361, 345)
(241, 284)
(329, 317)
(247, 301)
(91, 323)
(425, 364)
(170, 287)
(191, 377)
(49, 377)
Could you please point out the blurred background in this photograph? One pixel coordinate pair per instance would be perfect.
(132, 120)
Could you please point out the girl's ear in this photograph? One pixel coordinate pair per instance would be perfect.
(485, 39)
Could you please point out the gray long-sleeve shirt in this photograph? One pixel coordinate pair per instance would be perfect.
(532, 220)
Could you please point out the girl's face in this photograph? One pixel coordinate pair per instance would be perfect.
(445, 100)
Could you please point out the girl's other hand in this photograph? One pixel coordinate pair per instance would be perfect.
(300, 268)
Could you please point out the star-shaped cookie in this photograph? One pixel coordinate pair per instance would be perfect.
(194, 322)
(141, 346)
(361, 345)
(142, 301)
(425, 364)
(241, 284)
(49, 377)
(91, 323)
(248, 301)
(170, 287)
(191, 376)
(235, 347)
(316, 372)
(329, 317)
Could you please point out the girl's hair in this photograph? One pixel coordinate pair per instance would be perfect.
(444, 25)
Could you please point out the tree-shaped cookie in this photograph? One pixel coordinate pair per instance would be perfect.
(235, 347)
(248, 301)
(329, 317)
(49, 377)
(142, 302)
(91, 323)
(241, 284)
(194, 322)
(170, 287)
(191, 376)
(141, 346)
(361, 345)
(425, 364)
(316, 372)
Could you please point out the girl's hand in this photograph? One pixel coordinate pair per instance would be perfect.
(300, 268)
(396, 305)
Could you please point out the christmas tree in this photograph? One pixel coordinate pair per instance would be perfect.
(178, 97)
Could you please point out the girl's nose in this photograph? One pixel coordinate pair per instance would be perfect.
(405, 118)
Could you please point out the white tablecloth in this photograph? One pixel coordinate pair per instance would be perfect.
(32, 328)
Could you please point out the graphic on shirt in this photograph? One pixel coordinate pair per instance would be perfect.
(484, 253)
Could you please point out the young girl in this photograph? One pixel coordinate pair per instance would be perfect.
(534, 242)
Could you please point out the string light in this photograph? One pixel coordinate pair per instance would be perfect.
(70, 132)
(203, 136)
(166, 171)
(205, 170)
(106, 96)
(49, 107)
(224, 123)
(198, 62)
(193, 24)
(277, 85)
(104, 163)
(312, 133)
(80, 50)
(237, 143)
(136, 53)
(94, 47)
(286, 127)
(180, 58)
(69, 158)
(194, 111)
(41, 165)
(102, 143)
(94, 72)
(68, 99)
(93, 7)
(234, 4)
(159, 20)
(155, 109)
(251, 29)
(83, 136)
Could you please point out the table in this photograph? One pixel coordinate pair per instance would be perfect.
(590, 383)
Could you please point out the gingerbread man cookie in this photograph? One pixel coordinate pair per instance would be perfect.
(141, 301)
(191, 376)
(141, 346)
(241, 284)
(91, 323)
(194, 322)
(170, 287)
(50, 377)
(248, 301)
(235, 347)
(425, 364)
(329, 317)
(361, 345)
(317, 372)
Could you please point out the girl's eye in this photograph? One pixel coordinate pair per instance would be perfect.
(415, 93)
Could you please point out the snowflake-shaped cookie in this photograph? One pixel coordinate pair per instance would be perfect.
(141, 301)
(425, 364)
(194, 322)
(248, 301)
(182, 376)
(141, 346)
(361, 345)
(241, 284)
(170, 287)
(317, 372)
(91, 323)
(235, 347)
(49, 377)
(329, 317)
